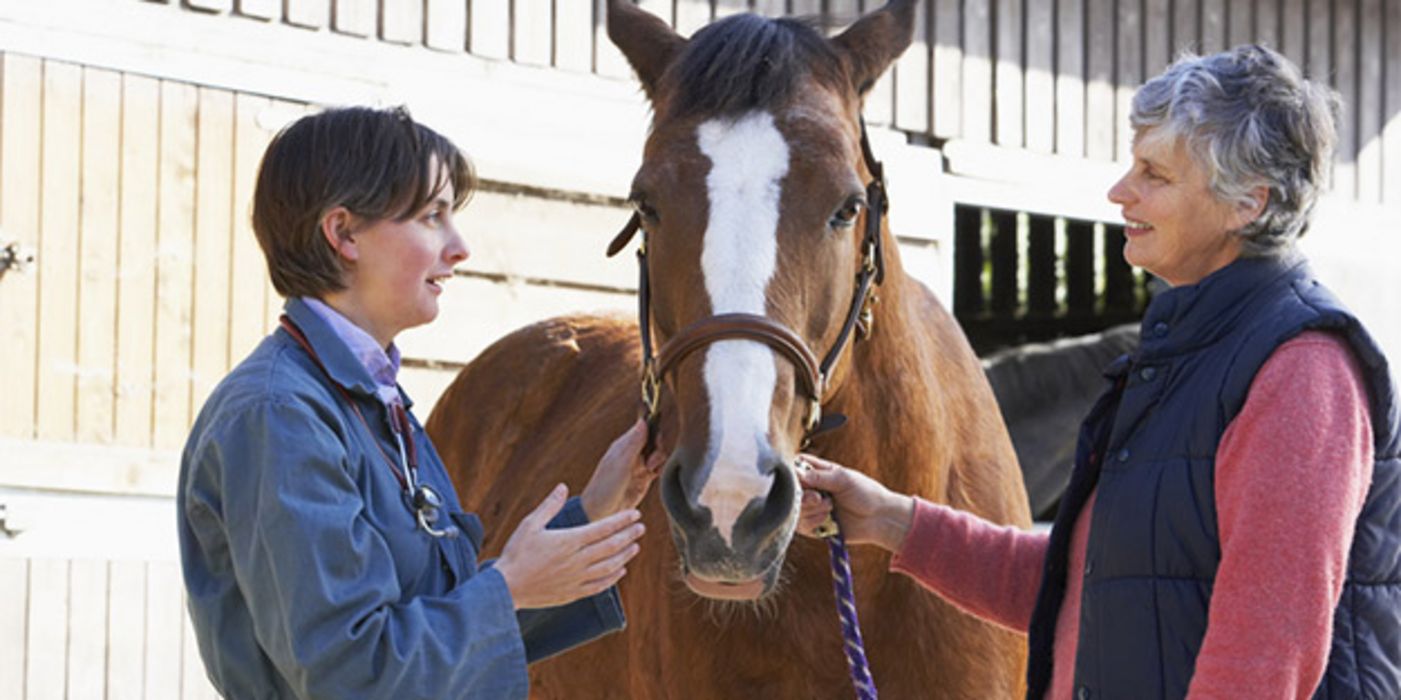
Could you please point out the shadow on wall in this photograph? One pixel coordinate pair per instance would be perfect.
(1044, 391)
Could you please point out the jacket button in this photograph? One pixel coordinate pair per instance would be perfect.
(1123, 455)
(1083, 693)
(1089, 567)
(1148, 373)
(1160, 329)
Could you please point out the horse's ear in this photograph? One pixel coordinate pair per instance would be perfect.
(647, 42)
(874, 41)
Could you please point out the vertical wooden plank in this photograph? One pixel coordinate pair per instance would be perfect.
(1099, 92)
(574, 36)
(1240, 22)
(977, 70)
(532, 27)
(137, 254)
(1391, 130)
(20, 97)
(58, 252)
(261, 9)
(1008, 128)
(692, 15)
(911, 78)
(1370, 102)
(1186, 26)
(725, 8)
(212, 243)
(1345, 37)
(809, 8)
(247, 268)
(771, 8)
(1129, 59)
(445, 25)
(1293, 28)
(354, 17)
(126, 630)
(880, 101)
(1318, 51)
(87, 630)
(489, 29)
(1040, 77)
(1157, 37)
(174, 226)
(946, 112)
(1267, 28)
(14, 601)
(47, 635)
(313, 14)
(1213, 26)
(164, 629)
(1070, 78)
(401, 21)
(97, 294)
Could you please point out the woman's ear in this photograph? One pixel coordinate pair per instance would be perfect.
(336, 229)
(1259, 197)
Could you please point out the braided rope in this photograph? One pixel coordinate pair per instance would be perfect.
(851, 627)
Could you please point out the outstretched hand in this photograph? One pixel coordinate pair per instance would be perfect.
(622, 476)
(867, 511)
(545, 568)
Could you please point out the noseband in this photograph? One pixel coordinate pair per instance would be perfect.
(812, 375)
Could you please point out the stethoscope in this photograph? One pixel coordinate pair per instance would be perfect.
(425, 502)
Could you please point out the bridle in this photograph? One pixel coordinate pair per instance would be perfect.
(812, 374)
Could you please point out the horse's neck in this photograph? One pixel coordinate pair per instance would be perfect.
(890, 391)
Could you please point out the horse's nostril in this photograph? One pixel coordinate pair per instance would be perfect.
(679, 504)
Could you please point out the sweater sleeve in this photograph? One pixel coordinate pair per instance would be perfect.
(991, 571)
(1292, 471)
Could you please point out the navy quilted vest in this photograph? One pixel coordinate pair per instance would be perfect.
(1149, 445)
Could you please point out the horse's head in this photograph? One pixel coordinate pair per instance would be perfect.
(752, 198)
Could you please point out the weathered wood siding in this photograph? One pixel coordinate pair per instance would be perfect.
(1042, 75)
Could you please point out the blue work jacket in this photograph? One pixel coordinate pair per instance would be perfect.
(307, 573)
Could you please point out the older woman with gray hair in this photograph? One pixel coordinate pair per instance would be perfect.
(1232, 526)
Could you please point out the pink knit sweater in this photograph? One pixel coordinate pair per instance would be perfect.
(1292, 471)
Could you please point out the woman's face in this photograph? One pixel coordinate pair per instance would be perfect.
(1176, 228)
(400, 266)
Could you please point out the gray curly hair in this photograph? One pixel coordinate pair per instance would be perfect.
(1250, 118)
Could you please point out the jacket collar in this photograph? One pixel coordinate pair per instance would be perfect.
(345, 369)
(1185, 318)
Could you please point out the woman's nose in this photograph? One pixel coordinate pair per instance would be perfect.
(1119, 192)
(457, 250)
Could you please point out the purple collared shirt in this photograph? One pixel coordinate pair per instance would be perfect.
(382, 365)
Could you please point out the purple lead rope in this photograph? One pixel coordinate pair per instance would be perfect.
(851, 627)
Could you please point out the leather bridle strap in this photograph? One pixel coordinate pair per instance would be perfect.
(811, 374)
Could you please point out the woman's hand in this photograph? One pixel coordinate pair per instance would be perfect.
(545, 568)
(867, 511)
(622, 477)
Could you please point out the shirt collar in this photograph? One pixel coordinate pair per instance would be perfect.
(380, 364)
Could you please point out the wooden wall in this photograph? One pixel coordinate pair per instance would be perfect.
(1046, 76)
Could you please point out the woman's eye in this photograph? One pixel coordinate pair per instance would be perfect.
(846, 216)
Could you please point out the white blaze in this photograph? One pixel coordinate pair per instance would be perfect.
(748, 158)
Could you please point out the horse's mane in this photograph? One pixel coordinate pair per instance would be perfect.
(746, 62)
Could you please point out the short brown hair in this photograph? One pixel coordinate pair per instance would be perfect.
(373, 162)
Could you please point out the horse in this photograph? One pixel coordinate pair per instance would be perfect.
(755, 203)
(1044, 390)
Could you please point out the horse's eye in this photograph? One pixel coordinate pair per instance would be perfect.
(846, 216)
(646, 211)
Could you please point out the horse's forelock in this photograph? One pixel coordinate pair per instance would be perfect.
(747, 62)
